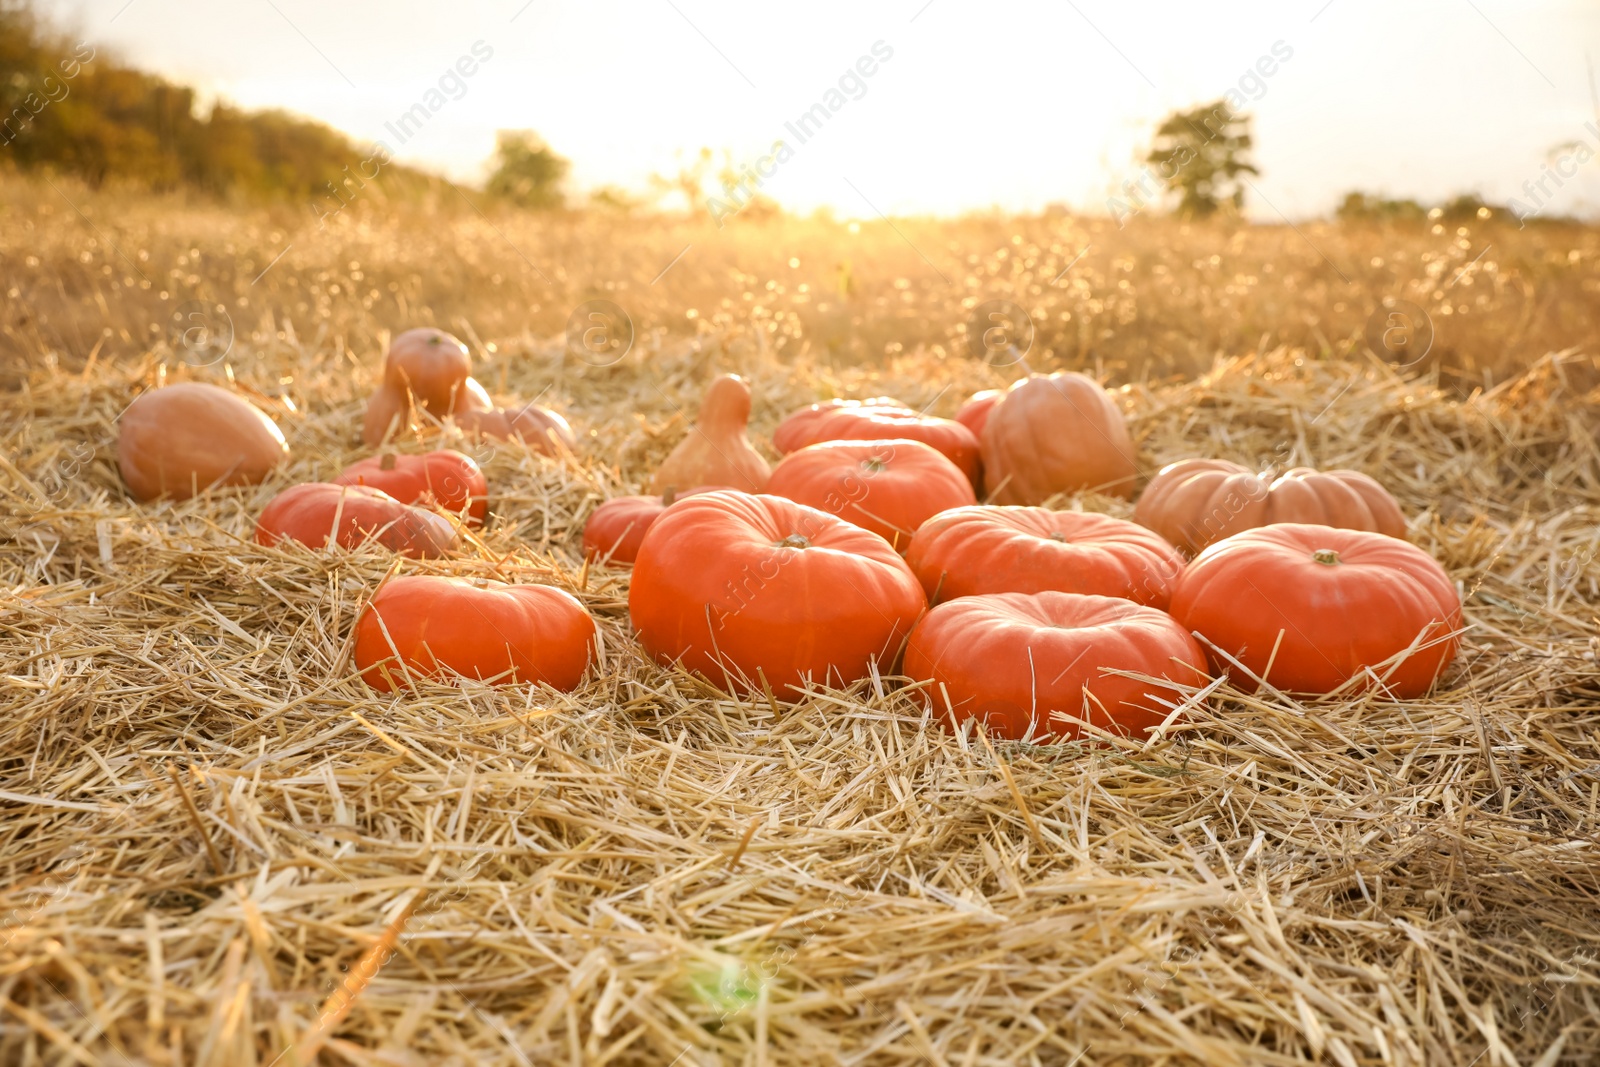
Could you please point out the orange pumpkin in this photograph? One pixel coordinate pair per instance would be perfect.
(1196, 502)
(795, 431)
(428, 627)
(1053, 434)
(616, 529)
(428, 370)
(188, 437)
(749, 589)
(977, 550)
(424, 368)
(869, 422)
(1308, 608)
(316, 513)
(888, 487)
(1020, 662)
(974, 414)
(717, 450)
(445, 479)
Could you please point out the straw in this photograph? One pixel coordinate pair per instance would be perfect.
(647, 872)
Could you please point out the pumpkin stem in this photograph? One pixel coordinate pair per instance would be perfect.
(1057, 535)
(874, 465)
(669, 496)
(1325, 556)
(794, 541)
(387, 462)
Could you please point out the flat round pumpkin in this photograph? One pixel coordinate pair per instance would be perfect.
(743, 589)
(188, 437)
(319, 513)
(1308, 608)
(1197, 502)
(1020, 662)
(888, 487)
(1057, 433)
(796, 428)
(975, 550)
(445, 479)
(870, 421)
(426, 626)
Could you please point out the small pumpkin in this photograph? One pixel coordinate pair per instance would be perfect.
(316, 513)
(974, 414)
(746, 589)
(616, 529)
(535, 426)
(429, 370)
(1018, 662)
(717, 450)
(888, 487)
(1307, 608)
(427, 626)
(1056, 433)
(445, 479)
(867, 422)
(1196, 502)
(188, 437)
(796, 428)
(424, 368)
(975, 550)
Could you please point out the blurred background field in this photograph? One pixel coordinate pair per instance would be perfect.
(99, 271)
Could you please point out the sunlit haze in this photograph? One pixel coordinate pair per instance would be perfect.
(1013, 105)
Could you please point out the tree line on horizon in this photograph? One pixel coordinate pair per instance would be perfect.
(65, 107)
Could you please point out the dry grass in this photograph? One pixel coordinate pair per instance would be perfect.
(215, 836)
(87, 272)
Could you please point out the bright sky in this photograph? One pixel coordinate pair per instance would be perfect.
(999, 103)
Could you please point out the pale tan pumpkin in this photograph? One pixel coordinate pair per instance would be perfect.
(185, 438)
(534, 426)
(1056, 433)
(1196, 502)
(717, 450)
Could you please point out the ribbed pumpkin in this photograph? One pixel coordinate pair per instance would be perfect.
(888, 487)
(1196, 502)
(795, 431)
(975, 550)
(445, 479)
(747, 590)
(873, 422)
(1056, 433)
(317, 513)
(717, 450)
(1018, 662)
(428, 626)
(1321, 606)
(189, 437)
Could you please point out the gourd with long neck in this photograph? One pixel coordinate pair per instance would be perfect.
(717, 450)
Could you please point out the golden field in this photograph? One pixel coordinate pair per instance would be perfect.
(209, 820)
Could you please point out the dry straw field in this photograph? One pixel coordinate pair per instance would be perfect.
(211, 827)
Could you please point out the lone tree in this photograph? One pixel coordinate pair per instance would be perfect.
(527, 171)
(1200, 155)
